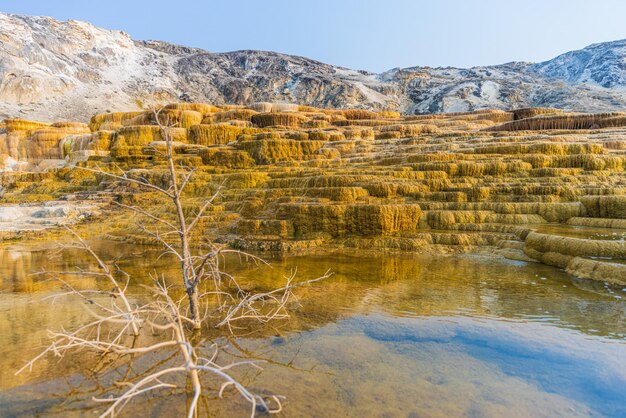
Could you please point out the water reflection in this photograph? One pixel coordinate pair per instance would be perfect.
(452, 366)
(389, 334)
(586, 232)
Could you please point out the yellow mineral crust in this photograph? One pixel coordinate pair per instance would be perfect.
(531, 184)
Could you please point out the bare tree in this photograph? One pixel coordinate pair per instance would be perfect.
(117, 327)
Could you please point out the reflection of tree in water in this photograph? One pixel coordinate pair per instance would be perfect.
(396, 285)
(71, 392)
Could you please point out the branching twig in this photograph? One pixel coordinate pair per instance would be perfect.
(117, 329)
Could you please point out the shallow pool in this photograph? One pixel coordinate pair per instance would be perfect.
(394, 335)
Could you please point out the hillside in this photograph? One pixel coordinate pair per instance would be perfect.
(51, 70)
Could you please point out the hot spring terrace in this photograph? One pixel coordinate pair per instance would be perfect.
(536, 185)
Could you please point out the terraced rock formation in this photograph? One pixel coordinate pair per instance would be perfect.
(534, 184)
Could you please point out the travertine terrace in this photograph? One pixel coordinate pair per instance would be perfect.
(531, 184)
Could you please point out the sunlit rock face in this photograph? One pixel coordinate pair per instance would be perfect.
(52, 70)
(599, 64)
(35, 146)
(296, 177)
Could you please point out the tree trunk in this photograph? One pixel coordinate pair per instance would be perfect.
(189, 277)
(194, 307)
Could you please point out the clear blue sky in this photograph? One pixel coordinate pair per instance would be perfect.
(370, 35)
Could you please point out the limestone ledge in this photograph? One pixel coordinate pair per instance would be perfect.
(298, 178)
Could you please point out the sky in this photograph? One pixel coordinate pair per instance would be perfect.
(368, 35)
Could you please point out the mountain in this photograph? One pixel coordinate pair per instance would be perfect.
(599, 65)
(52, 70)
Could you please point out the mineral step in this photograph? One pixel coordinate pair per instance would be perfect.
(295, 176)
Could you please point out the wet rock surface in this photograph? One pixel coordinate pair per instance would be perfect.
(294, 178)
(14, 218)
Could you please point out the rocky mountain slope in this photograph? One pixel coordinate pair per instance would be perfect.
(51, 70)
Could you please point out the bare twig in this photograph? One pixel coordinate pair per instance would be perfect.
(168, 325)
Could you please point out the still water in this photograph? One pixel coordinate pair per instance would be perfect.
(393, 335)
